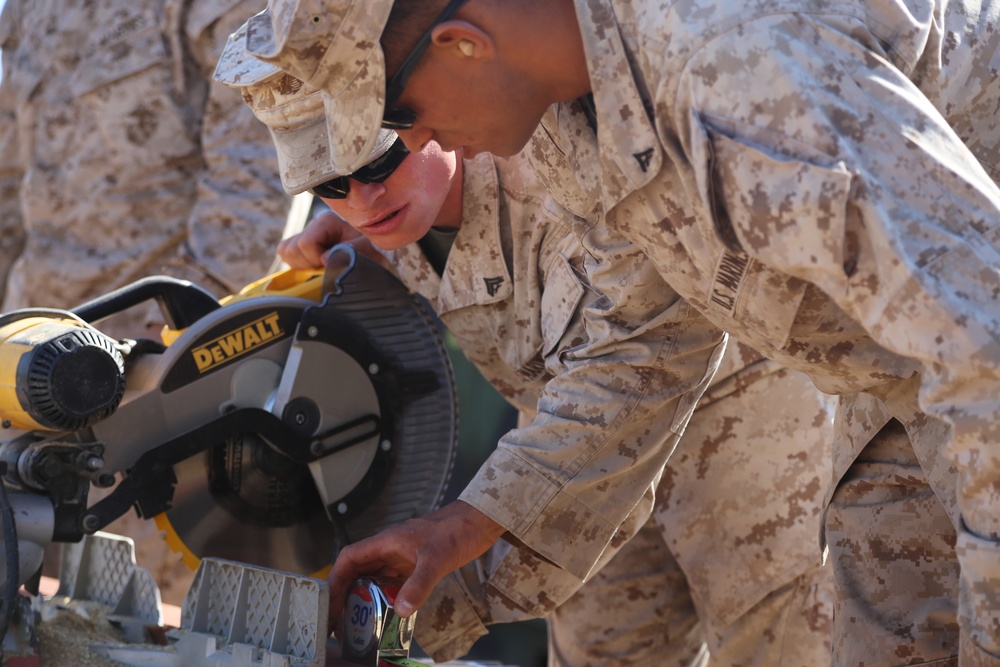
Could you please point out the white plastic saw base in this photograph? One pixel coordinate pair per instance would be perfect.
(234, 614)
(102, 568)
(238, 615)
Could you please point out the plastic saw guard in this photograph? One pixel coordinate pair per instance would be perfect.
(367, 336)
(412, 374)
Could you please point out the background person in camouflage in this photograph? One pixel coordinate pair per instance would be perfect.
(814, 177)
(740, 508)
(127, 160)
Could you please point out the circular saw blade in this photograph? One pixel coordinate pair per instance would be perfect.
(243, 500)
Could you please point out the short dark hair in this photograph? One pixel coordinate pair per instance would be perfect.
(407, 21)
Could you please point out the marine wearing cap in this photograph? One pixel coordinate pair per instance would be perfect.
(299, 116)
(312, 39)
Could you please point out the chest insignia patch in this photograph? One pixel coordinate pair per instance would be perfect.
(493, 285)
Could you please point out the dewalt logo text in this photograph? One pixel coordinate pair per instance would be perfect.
(236, 343)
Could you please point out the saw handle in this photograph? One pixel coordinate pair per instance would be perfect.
(182, 302)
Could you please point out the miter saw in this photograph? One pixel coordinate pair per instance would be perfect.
(310, 410)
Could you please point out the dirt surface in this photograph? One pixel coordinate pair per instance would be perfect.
(68, 628)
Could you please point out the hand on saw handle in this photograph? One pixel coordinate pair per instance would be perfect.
(309, 248)
(420, 552)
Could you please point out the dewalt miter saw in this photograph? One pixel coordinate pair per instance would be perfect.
(308, 411)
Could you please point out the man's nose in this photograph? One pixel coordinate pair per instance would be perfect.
(362, 196)
(415, 138)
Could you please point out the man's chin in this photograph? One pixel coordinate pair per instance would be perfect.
(499, 150)
(517, 143)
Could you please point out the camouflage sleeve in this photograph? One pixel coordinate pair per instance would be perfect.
(509, 583)
(609, 418)
(241, 211)
(11, 173)
(837, 170)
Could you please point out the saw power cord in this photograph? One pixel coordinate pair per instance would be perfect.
(10, 564)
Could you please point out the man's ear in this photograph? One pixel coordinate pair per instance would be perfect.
(466, 39)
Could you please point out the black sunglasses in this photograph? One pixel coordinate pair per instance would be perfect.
(401, 118)
(375, 171)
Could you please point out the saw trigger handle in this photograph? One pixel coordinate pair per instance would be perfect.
(182, 302)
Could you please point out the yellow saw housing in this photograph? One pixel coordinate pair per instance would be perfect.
(56, 373)
(292, 282)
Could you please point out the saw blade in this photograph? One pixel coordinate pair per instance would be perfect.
(369, 352)
(245, 502)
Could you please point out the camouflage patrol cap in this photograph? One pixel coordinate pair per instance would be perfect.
(294, 112)
(332, 45)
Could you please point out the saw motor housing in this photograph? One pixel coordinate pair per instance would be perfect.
(309, 410)
(57, 373)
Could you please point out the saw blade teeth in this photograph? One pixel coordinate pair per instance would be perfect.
(175, 543)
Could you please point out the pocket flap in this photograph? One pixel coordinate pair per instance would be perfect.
(131, 45)
(786, 212)
(560, 300)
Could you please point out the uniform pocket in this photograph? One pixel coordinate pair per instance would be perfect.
(134, 44)
(132, 100)
(786, 212)
(783, 220)
(560, 301)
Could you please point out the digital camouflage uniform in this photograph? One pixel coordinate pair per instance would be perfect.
(800, 190)
(733, 538)
(520, 333)
(130, 161)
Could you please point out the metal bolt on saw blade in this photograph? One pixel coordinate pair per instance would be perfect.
(92, 463)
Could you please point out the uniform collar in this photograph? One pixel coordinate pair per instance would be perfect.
(630, 153)
(558, 167)
(475, 275)
(476, 272)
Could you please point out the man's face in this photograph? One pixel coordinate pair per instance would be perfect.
(403, 208)
(481, 107)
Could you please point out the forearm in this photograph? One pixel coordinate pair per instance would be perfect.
(509, 583)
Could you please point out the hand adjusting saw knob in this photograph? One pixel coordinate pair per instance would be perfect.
(374, 634)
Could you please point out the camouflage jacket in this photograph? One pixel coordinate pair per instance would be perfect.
(645, 359)
(515, 296)
(779, 164)
(128, 158)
